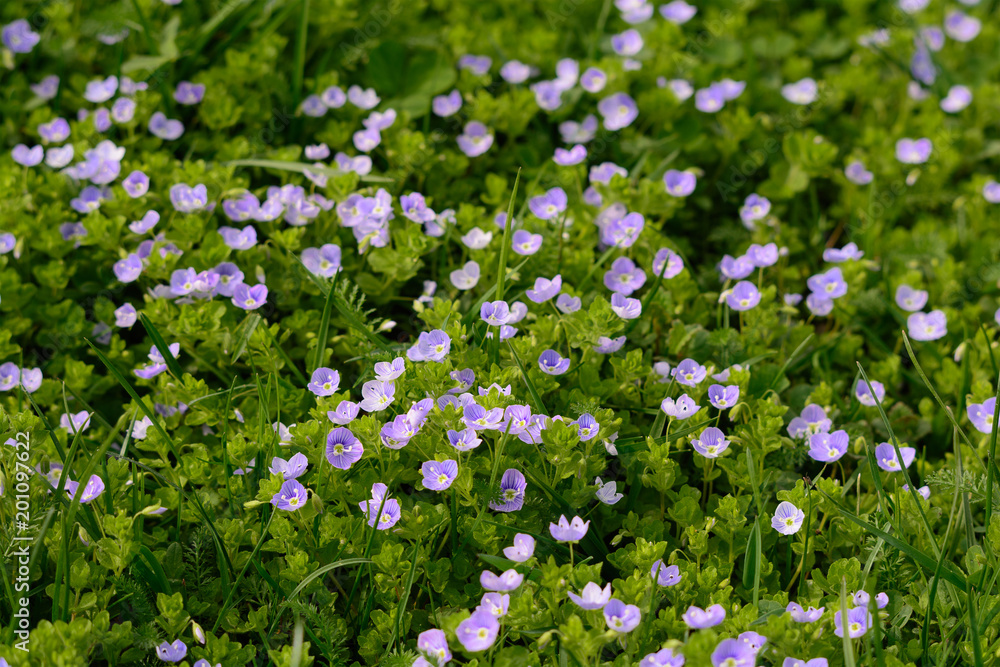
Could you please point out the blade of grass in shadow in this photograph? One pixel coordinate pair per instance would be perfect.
(502, 269)
(846, 643)
(977, 644)
(161, 346)
(243, 339)
(918, 557)
(751, 561)
(932, 593)
(991, 457)
(324, 330)
(405, 597)
(527, 380)
(301, 168)
(239, 578)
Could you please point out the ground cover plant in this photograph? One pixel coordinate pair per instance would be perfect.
(561, 332)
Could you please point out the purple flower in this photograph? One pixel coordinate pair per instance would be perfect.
(709, 100)
(549, 205)
(682, 408)
(753, 640)
(579, 133)
(680, 88)
(736, 268)
(991, 192)
(723, 397)
(604, 172)
(689, 373)
(566, 531)
(59, 157)
(667, 263)
(819, 305)
(804, 91)
(618, 111)
(343, 449)
(136, 184)
(239, 239)
(363, 98)
(525, 243)
(447, 105)
(431, 346)
(31, 379)
(733, 653)
(910, 299)
(628, 43)
(165, 128)
(507, 581)
(663, 658)
(73, 230)
(332, 98)
(865, 395)
(787, 518)
(438, 475)
(959, 26)
(512, 488)
(711, 443)
(857, 174)
(885, 457)
(467, 277)
(19, 37)
(55, 131)
(621, 617)
(679, 183)
(476, 239)
(172, 652)
(623, 232)
(128, 270)
(575, 155)
(812, 420)
(345, 413)
(593, 80)
(290, 469)
(514, 71)
(592, 596)
(678, 12)
(743, 296)
(848, 252)
(323, 261)
(478, 65)
(859, 619)
(927, 326)
(324, 382)
(754, 208)
(47, 87)
(697, 618)
(796, 662)
(249, 298)
(550, 362)
(980, 414)
(625, 307)
(390, 509)
(523, 549)
(377, 396)
(479, 631)
(545, 289)
(290, 497)
(665, 575)
(101, 90)
(959, 97)
(800, 615)
(913, 151)
(829, 285)
(386, 371)
(28, 157)
(475, 139)
(123, 110)
(624, 277)
(317, 152)
(187, 199)
(828, 447)
(494, 313)
(93, 488)
(189, 93)
(230, 277)
(762, 256)
(607, 345)
(434, 644)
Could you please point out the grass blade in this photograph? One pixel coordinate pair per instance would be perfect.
(246, 331)
(527, 380)
(846, 643)
(301, 168)
(324, 330)
(502, 270)
(161, 346)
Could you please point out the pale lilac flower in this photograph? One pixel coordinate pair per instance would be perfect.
(566, 531)
(28, 157)
(343, 449)
(607, 345)
(711, 443)
(624, 277)
(667, 263)
(607, 492)
(980, 414)
(324, 382)
(910, 299)
(961, 27)
(819, 305)
(625, 307)
(548, 205)
(885, 457)
(438, 475)
(566, 158)
(592, 596)
(377, 396)
(680, 88)
(523, 549)
(733, 653)
(323, 261)
(550, 362)
(476, 239)
(857, 174)
(19, 37)
(467, 277)
(363, 98)
(317, 152)
(804, 91)
(390, 509)
(697, 618)
(678, 12)
(101, 90)
(430, 346)
(494, 313)
(618, 111)
(723, 397)
(447, 105)
(859, 619)
(545, 289)
(475, 139)
(229, 278)
(165, 128)
(55, 131)
(829, 285)
(344, 414)
(689, 373)
(828, 447)
(762, 256)
(434, 643)
(249, 298)
(925, 493)
(512, 489)
(579, 133)
(31, 379)
(621, 617)
(604, 172)
(865, 395)
(58, 157)
(754, 208)
(800, 615)
(709, 100)
(959, 97)
(175, 652)
(524, 242)
(189, 93)
(593, 80)
(796, 662)
(47, 88)
(991, 192)
(682, 408)
(187, 199)
(848, 252)
(290, 469)
(743, 296)
(787, 518)
(927, 326)
(478, 632)
(663, 658)
(665, 575)
(507, 581)
(913, 151)
(478, 65)
(239, 239)
(380, 120)
(679, 183)
(628, 43)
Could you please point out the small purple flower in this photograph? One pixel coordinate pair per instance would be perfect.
(523, 549)
(625, 307)
(323, 261)
(592, 596)
(743, 296)
(239, 239)
(566, 158)
(512, 489)
(7, 242)
(709, 100)
(859, 619)
(324, 382)
(101, 90)
(467, 277)
(494, 313)
(604, 172)
(525, 243)
(819, 305)
(377, 396)
(628, 43)
(959, 97)
(961, 27)
(91, 490)
(478, 65)
(723, 397)
(333, 97)
(56, 131)
(812, 420)
(857, 174)
(682, 408)
(736, 268)
(618, 111)
(549, 205)
(550, 362)
(507, 581)
(292, 468)
(10, 376)
(566, 531)
(28, 157)
(343, 449)
(136, 184)
(909, 299)
(711, 443)
(165, 128)
(175, 652)
(465, 440)
(19, 37)
(829, 285)
(317, 152)
(678, 12)
(438, 475)
(885, 457)
(607, 345)
(754, 208)
(697, 618)
(47, 88)
(128, 270)
(621, 617)
(796, 662)
(514, 71)
(980, 414)
(787, 518)
(665, 575)
(679, 183)
(864, 395)
(733, 653)
(689, 373)
(475, 139)
(623, 232)
(624, 277)
(249, 298)
(913, 151)
(828, 447)
(31, 379)
(478, 632)
(447, 105)
(363, 98)
(187, 199)
(58, 157)
(663, 658)
(927, 326)
(800, 615)
(803, 92)
(476, 239)
(189, 93)
(667, 263)
(991, 192)
(680, 88)
(848, 252)
(290, 497)
(391, 512)
(545, 289)
(123, 110)
(431, 346)
(593, 80)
